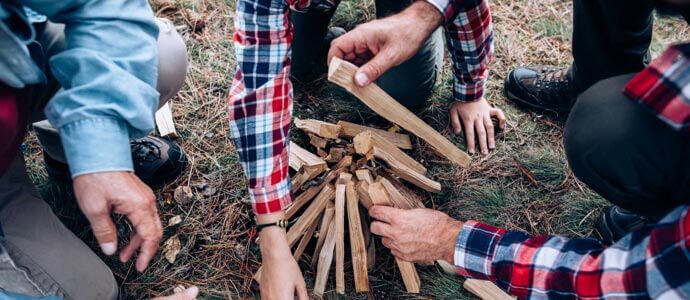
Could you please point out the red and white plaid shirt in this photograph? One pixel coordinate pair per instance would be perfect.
(260, 101)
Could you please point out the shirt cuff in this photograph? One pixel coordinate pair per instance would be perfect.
(271, 199)
(471, 92)
(96, 145)
(475, 249)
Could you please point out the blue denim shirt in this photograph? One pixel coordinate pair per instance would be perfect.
(108, 75)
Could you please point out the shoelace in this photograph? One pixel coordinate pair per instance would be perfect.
(553, 79)
(146, 151)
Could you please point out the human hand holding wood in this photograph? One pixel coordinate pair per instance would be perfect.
(416, 234)
(101, 194)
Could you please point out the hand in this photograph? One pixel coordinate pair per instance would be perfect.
(281, 277)
(416, 234)
(100, 194)
(181, 294)
(385, 43)
(475, 117)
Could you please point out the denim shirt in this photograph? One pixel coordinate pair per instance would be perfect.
(107, 73)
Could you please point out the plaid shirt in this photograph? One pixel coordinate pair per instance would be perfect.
(260, 100)
(653, 262)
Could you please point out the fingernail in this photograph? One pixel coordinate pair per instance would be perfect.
(108, 248)
(361, 79)
(192, 292)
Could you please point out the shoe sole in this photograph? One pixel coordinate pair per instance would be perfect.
(519, 101)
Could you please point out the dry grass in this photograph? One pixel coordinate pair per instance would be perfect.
(218, 253)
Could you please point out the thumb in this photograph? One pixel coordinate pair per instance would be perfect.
(377, 66)
(104, 230)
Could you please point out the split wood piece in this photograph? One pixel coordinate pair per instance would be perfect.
(301, 200)
(320, 128)
(306, 238)
(318, 142)
(164, 121)
(364, 175)
(415, 178)
(407, 269)
(311, 164)
(335, 154)
(321, 153)
(406, 192)
(325, 260)
(350, 130)
(310, 214)
(344, 162)
(357, 245)
(323, 232)
(396, 197)
(363, 161)
(362, 188)
(486, 290)
(340, 189)
(367, 141)
(342, 73)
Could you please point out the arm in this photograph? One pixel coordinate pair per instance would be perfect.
(260, 108)
(651, 262)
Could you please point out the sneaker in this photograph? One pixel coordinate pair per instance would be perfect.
(615, 223)
(156, 161)
(544, 88)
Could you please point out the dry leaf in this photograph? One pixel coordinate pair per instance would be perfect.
(174, 220)
(183, 195)
(171, 248)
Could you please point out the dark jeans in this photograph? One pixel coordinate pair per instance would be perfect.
(615, 146)
(411, 83)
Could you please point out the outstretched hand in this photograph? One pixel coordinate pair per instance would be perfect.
(474, 118)
(101, 194)
(381, 44)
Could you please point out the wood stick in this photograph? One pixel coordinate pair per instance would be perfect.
(350, 130)
(406, 192)
(303, 159)
(342, 73)
(301, 200)
(415, 178)
(164, 121)
(367, 140)
(396, 197)
(310, 214)
(306, 238)
(364, 175)
(362, 188)
(320, 128)
(318, 141)
(357, 245)
(325, 260)
(340, 189)
(323, 231)
(486, 290)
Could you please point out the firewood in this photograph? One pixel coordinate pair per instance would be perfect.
(335, 154)
(367, 140)
(342, 73)
(363, 161)
(396, 197)
(362, 188)
(325, 260)
(320, 128)
(301, 200)
(415, 178)
(310, 214)
(311, 164)
(318, 142)
(306, 238)
(406, 192)
(357, 245)
(321, 153)
(350, 130)
(164, 121)
(340, 189)
(328, 215)
(364, 175)
(486, 290)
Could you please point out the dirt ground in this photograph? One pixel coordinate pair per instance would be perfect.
(217, 249)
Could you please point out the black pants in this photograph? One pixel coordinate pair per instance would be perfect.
(411, 83)
(615, 146)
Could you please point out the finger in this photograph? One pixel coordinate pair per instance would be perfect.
(148, 227)
(103, 229)
(383, 213)
(131, 248)
(469, 136)
(481, 135)
(498, 114)
(489, 126)
(189, 294)
(372, 70)
(301, 291)
(387, 242)
(380, 228)
(455, 121)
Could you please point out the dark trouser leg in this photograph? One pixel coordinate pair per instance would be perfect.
(625, 153)
(610, 38)
(411, 83)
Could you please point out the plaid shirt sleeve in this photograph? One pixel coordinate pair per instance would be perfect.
(664, 87)
(260, 101)
(652, 262)
(469, 38)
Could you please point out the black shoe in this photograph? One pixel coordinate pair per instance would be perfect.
(615, 223)
(156, 161)
(543, 88)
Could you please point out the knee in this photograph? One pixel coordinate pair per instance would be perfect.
(172, 61)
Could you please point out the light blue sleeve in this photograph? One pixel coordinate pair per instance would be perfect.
(108, 76)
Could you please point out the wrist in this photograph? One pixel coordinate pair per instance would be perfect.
(453, 229)
(274, 242)
(425, 15)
